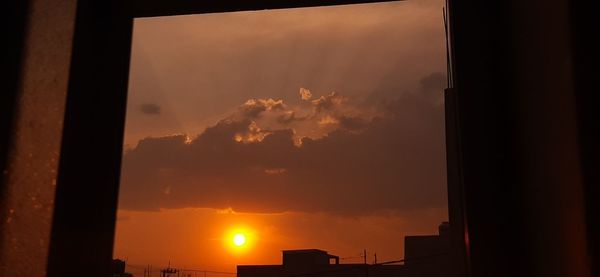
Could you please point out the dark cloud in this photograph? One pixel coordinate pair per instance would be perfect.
(390, 86)
(288, 117)
(396, 162)
(327, 102)
(150, 109)
(433, 81)
(352, 123)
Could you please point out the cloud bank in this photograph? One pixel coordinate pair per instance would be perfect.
(324, 154)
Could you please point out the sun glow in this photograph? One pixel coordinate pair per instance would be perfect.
(239, 239)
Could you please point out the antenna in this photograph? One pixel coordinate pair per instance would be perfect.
(168, 271)
(449, 71)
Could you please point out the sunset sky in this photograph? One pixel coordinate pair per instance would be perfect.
(300, 128)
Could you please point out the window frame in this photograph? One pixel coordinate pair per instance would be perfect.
(82, 234)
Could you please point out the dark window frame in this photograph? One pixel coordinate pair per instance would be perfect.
(492, 162)
(82, 235)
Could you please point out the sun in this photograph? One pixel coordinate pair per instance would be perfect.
(239, 239)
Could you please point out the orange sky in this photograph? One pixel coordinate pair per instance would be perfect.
(200, 238)
(306, 128)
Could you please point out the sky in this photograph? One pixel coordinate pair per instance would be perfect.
(299, 128)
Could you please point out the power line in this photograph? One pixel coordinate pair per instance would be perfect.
(346, 267)
(413, 259)
(184, 269)
(207, 271)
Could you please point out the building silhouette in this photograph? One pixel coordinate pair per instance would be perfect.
(425, 256)
(118, 269)
(315, 262)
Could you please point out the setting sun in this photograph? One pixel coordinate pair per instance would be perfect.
(239, 239)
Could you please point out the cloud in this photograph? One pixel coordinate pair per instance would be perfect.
(254, 107)
(150, 108)
(328, 120)
(288, 117)
(196, 74)
(327, 102)
(432, 82)
(252, 134)
(249, 162)
(352, 123)
(305, 94)
(313, 119)
(272, 171)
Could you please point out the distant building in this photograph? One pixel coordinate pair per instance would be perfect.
(304, 257)
(118, 269)
(430, 255)
(425, 256)
(315, 262)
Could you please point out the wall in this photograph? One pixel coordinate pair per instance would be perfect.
(29, 180)
(519, 137)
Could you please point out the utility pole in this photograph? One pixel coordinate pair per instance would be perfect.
(365, 262)
(365, 256)
(167, 271)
